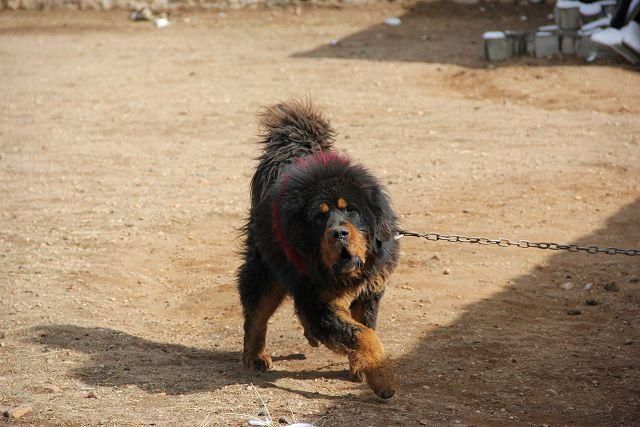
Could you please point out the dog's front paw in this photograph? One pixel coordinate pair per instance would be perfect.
(381, 379)
(259, 363)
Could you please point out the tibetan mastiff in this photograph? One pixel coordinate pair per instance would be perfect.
(320, 230)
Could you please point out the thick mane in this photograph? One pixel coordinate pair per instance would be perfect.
(327, 163)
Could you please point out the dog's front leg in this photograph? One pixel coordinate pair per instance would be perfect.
(332, 324)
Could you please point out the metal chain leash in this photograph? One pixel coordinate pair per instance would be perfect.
(504, 243)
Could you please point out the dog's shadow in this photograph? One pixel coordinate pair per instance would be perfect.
(119, 359)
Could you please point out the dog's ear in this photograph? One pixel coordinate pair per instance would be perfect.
(384, 219)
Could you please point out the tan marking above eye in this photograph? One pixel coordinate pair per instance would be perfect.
(342, 203)
(324, 208)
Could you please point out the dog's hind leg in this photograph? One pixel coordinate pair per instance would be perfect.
(260, 296)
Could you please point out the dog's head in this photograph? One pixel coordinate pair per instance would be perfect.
(332, 215)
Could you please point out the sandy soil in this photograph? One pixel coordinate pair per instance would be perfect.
(125, 159)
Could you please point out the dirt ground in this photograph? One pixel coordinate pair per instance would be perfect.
(125, 159)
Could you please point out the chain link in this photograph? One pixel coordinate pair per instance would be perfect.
(505, 243)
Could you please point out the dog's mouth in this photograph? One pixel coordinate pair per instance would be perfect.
(348, 262)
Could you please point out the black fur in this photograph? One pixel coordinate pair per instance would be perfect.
(298, 172)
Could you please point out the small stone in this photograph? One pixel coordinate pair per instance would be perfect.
(91, 395)
(611, 287)
(566, 286)
(574, 312)
(634, 279)
(143, 14)
(52, 388)
(588, 286)
(446, 271)
(18, 412)
(628, 342)
(436, 257)
(283, 420)
(592, 301)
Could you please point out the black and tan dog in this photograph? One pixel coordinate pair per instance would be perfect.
(320, 230)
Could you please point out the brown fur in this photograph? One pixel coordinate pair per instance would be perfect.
(368, 357)
(357, 242)
(330, 254)
(254, 355)
(328, 251)
(357, 312)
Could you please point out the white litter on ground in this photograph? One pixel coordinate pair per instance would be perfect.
(393, 21)
(161, 22)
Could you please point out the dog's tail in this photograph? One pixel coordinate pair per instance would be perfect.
(295, 128)
(289, 130)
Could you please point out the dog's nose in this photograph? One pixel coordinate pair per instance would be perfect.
(340, 233)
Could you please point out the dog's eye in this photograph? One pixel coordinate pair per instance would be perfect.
(352, 210)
